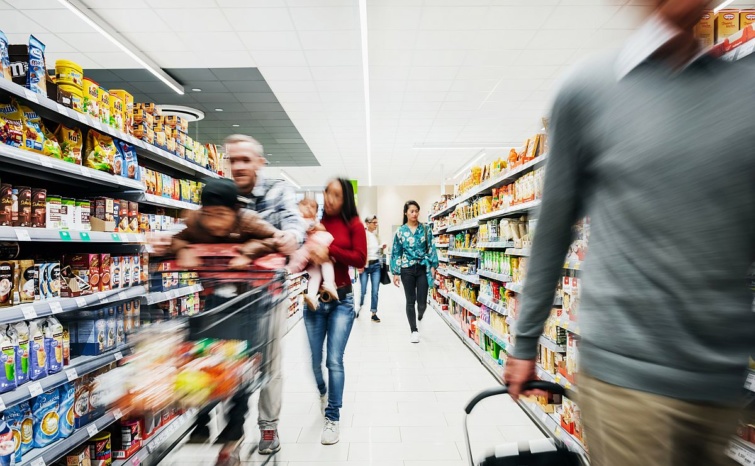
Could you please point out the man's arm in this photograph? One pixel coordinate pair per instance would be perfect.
(290, 217)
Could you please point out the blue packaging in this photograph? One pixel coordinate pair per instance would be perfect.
(8, 345)
(7, 454)
(4, 58)
(66, 395)
(130, 166)
(44, 411)
(36, 76)
(91, 333)
(54, 345)
(37, 350)
(20, 421)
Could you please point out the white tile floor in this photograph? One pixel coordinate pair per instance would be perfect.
(403, 402)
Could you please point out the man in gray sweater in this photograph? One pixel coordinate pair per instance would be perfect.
(657, 145)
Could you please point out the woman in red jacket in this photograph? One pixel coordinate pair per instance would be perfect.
(334, 319)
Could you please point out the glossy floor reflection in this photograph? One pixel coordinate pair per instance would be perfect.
(403, 402)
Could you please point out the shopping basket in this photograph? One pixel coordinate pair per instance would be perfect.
(542, 452)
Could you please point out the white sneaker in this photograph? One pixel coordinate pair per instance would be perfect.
(323, 403)
(330, 432)
(415, 337)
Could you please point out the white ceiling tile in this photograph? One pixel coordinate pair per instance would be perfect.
(211, 41)
(298, 96)
(474, 85)
(433, 72)
(387, 96)
(275, 73)
(354, 85)
(453, 18)
(280, 58)
(389, 72)
(392, 40)
(53, 42)
(519, 84)
(466, 96)
(52, 20)
(251, 3)
(303, 106)
(425, 96)
(259, 19)
(330, 40)
(318, 3)
(181, 4)
(446, 40)
(421, 106)
(157, 41)
(428, 86)
(34, 4)
(381, 17)
(110, 4)
(628, 17)
(113, 60)
(490, 57)
(575, 17)
(486, 72)
(83, 60)
(387, 57)
(605, 39)
(132, 20)
(524, 17)
(560, 39)
(387, 86)
(439, 58)
(461, 106)
(543, 57)
(336, 73)
(351, 57)
(325, 18)
(194, 19)
(5, 6)
(270, 40)
(87, 42)
(217, 59)
(603, 2)
(503, 39)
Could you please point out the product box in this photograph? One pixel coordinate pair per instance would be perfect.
(52, 212)
(115, 272)
(7, 270)
(122, 220)
(38, 208)
(6, 204)
(24, 275)
(82, 212)
(23, 196)
(67, 213)
(102, 208)
(727, 24)
(79, 456)
(105, 277)
(746, 17)
(90, 337)
(81, 275)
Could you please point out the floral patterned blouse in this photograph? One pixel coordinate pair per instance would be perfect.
(413, 248)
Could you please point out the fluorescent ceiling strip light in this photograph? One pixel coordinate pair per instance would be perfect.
(93, 20)
(366, 78)
(476, 159)
(722, 6)
(290, 180)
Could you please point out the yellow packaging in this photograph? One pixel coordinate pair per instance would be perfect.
(147, 107)
(68, 72)
(116, 112)
(77, 98)
(51, 147)
(34, 137)
(100, 152)
(128, 107)
(746, 17)
(91, 104)
(104, 101)
(727, 23)
(71, 143)
(160, 140)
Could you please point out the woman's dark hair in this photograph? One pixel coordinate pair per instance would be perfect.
(349, 209)
(406, 209)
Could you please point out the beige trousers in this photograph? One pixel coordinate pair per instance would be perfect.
(272, 393)
(627, 427)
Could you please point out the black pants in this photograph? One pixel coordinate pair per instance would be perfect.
(234, 430)
(415, 283)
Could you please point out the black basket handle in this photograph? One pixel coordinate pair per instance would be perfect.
(531, 385)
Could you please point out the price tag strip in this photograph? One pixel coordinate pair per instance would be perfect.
(55, 307)
(81, 302)
(39, 462)
(29, 312)
(22, 234)
(71, 374)
(92, 430)
(35, 389)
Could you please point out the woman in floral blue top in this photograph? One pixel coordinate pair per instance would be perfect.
(413, 261)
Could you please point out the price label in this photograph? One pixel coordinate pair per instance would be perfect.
(38, 462)
(71, 374)
(116, 237)
(35, 388)
(29, 312)
(2, 405)
(122, 296)
(136, 461)
(83, 118)
(45, 161)
(117, 414)
(750, 383)
(22, 235)
(86, 172)
(104, 300)
(31, 95)
(92, 430)
(65, 235)
(84, 236)
(62, 109)
(118, 356)
(55, 307)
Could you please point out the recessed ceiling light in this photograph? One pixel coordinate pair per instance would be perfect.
(235, 126)
(196, 89)
(218, 109)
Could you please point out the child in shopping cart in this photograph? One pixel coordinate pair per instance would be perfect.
(321, 277)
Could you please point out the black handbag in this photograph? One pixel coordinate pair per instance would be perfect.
(385, 276)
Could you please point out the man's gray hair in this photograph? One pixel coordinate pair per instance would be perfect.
(248, 141)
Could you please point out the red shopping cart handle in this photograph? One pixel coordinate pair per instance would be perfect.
(502, 390)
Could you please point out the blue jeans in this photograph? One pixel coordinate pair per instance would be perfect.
(371, 273)
(334, 320)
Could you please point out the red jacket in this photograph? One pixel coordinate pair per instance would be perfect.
(349, 247)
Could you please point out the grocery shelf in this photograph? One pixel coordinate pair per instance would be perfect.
(58, 305)
(742, 452)
(153, 451)
(523, 252)
(442, 259)
(50, 235)
(443, 272)
(57, 450)
(495, 244)
(148, 151)
(491, 303)
(515, 209)
(552, 345)
(467, 254)
(494, 276)
(443, 293)
(79, 366)
(471, 278)
(553, 427)
(439, 231)
(475, 310)
(161, 201)
(559, 379)
(27, 162)
(487, 360)
(515, 287)
(442, 245)
(463, 226)
(497, 337)
(572, 327)
(161, 296)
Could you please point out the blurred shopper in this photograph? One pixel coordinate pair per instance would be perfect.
(655, 145)
(371, 272)
(335, 318)
(413, 261)
(275, 202)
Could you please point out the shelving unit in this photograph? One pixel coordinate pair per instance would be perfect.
(494, 276)
(471, 278)
(55, 236)
(467, 254)
(490, 303)
(464, 303)
(155, 448)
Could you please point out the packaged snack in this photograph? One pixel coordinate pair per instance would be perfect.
(115, 272)
(68, 72)
(34, 138)
(104, 100)
(116, 112)
(71, 143)
(78, 457)
(91, 92)
(11, 125)
(66, 345)
(83, 208)
(8, 346)
(128, 107)
(91, 333)
(37, 353)
(100, 152)
(727, 24)
(4, 58)
(6, 283)
(54, 280)
(66, 395)
(52, 211)
(111, 329)
(44, 411)
(130, 162)
(51, 147)
(67, 213)
(6, 204)
(105, 277)
(133, 216)
(22, 353)
(23, 218)
(53, 345)
(20, 421)
(99, 449)
(7, 454)
(24, 281)
(72, 97)
(36, 76)
(118, 161)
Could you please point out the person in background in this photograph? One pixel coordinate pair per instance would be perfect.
(372, 271)
(666, 320)
(413, 262)
(334, 320)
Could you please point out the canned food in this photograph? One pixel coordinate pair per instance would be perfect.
(99, 449)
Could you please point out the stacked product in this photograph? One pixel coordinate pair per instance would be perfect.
(714, 28)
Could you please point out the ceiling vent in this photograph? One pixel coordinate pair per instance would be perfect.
(187, 113)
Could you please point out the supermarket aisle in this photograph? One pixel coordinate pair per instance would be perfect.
(402, 403)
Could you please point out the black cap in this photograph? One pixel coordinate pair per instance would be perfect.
(220, 192)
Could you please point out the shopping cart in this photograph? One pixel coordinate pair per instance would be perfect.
(542, 452)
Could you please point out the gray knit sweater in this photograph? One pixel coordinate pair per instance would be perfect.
(664, 165)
